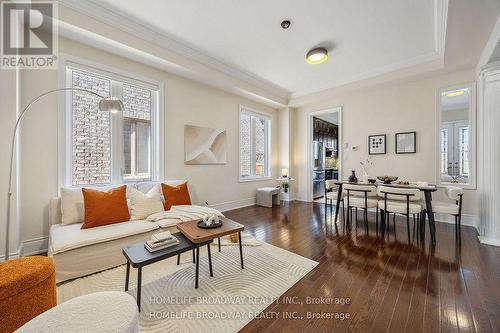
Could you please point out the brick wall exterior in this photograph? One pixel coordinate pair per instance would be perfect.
(91, 131)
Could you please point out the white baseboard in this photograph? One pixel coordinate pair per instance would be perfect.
(12, 255)
(29, 247)
(489, 241)
(34, 246)
(468, 220)
(230, 205)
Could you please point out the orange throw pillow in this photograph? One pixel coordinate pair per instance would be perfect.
(102, 208)
(175, 195)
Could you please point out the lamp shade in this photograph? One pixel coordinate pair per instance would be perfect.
(111, 105)
(284, 173)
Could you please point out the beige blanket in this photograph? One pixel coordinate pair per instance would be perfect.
(184, 213)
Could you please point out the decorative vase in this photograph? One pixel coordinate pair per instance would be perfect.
(365, 178)
(353, 178)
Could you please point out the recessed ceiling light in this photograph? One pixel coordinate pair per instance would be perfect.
(317, 56)
(285, 24)
(454, 93)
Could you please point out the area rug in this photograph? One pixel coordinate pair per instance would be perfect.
(223, 303)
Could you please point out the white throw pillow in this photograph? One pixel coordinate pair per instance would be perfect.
(72, 209)
(144, 204)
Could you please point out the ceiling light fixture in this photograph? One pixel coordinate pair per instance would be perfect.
(317, 56)
(454, 93)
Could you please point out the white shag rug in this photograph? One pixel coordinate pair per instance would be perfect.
(223, 303)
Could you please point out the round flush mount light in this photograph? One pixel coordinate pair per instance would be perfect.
(317, 56)
(454, 93)
(285, 24)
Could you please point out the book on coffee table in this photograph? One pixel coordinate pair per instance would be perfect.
(153, 246)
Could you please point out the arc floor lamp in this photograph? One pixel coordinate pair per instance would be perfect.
(105, 105)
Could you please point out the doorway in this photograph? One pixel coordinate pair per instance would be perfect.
(325, 150)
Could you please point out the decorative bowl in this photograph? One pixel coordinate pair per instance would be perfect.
(202, 225)
(387, 179)
(371, 180)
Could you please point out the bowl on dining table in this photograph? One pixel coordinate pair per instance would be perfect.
(371, 180)
(387, 179)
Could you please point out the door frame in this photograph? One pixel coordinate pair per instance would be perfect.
(337, 109)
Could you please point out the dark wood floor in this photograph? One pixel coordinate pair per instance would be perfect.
(393, 286)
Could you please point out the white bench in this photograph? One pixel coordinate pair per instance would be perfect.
(268, 196)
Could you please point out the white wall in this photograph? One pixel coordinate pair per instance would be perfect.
(185, 101)
(8, 112)
(407, 106)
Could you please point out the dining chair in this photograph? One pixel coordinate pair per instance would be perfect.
(331, 195)
(363, 197)
(453, 193)
(403, 201)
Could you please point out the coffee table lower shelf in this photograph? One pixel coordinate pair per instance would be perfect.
(138, 257)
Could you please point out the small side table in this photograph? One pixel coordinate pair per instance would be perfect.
(285, 196)
(200, 237)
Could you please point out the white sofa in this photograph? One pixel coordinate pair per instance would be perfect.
(78, 252)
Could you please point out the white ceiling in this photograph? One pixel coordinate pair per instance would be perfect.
(363, 36)
(455, 102)
(329, 117)
(239, 46)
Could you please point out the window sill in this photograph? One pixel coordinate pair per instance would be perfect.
(255, 179)
(463, 186)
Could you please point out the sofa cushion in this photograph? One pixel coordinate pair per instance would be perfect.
(145, 187)
(72, 209)
(175, 195)
(102, 208)
(67, 237)
(72, 206)
(144, 204)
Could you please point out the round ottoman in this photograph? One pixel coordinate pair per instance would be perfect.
(27, 288)
(107, 311)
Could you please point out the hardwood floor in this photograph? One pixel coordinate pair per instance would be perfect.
(392, 286)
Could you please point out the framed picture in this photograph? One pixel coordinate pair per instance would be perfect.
(376, 144)
(204, 145)
(406, 143)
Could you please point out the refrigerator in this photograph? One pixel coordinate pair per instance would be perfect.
(318, 176)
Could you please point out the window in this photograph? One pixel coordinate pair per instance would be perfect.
(255, 145)
(444, 150)
(110, 148)
(457, 120)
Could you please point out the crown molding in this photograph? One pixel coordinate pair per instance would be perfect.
(440, 24)
(110, 16)
(488, 51)
(377, 72)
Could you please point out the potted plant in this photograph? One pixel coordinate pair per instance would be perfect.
(285, 184)
(366, 164)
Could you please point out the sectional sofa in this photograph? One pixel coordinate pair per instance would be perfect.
(78, 252)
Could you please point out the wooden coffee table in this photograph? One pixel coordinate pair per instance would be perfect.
(200, 236)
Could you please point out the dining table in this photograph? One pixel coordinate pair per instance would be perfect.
(427, 190)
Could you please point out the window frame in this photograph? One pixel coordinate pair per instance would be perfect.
(268, 148)
(472, 115)
(70, 63)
